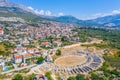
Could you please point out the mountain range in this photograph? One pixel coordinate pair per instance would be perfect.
(9, 9)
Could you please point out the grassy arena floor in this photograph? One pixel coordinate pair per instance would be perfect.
(70, 60)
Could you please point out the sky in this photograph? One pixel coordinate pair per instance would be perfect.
(82, 9)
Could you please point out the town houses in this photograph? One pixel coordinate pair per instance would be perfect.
(17, 58)
(46, 44)
(30, 42)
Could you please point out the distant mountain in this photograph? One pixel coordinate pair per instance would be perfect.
(74, 20)
(107, 19)
(9, 9)
(112, 21)
(68, 19)
(6, 3)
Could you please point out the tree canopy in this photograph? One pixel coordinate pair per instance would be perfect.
(18, 77)
(40, 59)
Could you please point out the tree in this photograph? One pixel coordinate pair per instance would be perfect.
(63, 38)
(106, 64)
(40, 59)
(96, 77)
(9, 63)
(80, 77)
(4, 53)
(31, 77)
(71, 78)
(118, 54)
(58, 52)
(18, 77)
(115, 72)
(49, 38)
(48, 75)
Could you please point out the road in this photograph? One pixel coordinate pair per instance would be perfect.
(18, 69)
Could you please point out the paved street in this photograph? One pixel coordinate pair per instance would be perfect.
(18, 69)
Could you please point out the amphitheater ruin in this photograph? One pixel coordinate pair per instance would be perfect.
(80, 62)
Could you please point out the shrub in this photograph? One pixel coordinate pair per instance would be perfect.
(17, 77)
(58, 52)
(48, 75)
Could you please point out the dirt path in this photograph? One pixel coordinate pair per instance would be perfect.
(77, 47)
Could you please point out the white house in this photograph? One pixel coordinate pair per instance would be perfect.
(17, 58)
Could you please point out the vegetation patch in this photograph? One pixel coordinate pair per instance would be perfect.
(48, 75)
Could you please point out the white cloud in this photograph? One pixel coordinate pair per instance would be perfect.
(102, 14)
(116, 11)
(60, 14)
(39, 12)
(45, 12)
(30, 8)
(48, 13)
(36, 11)
(42, 12)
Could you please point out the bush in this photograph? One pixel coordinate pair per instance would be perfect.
(18, 77)
(71, 78)
(58, 52)
(80, 77)
(40, 59)
(115, 72)
(96, 77)
(48, 75)
(118, 54)
(4, 53)
(30, 77)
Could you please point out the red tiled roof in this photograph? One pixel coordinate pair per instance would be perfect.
(1, 31)
(42, 50)
(18, 57)
(30, 49)
(27, 55)
(45, 43)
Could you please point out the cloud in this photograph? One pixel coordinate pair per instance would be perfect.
(116, 11)
(60, 14)
(45, 12)
(36, 11)
(42, 12)
(30, 8)
(39, 12)
(48, 13)
(97, 15)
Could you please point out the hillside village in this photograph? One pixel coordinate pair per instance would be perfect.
(35, 47)
(31, 42)
(52, 44)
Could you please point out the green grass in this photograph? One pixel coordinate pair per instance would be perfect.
(113, 61)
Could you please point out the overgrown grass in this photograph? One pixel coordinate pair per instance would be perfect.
(113, 61)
